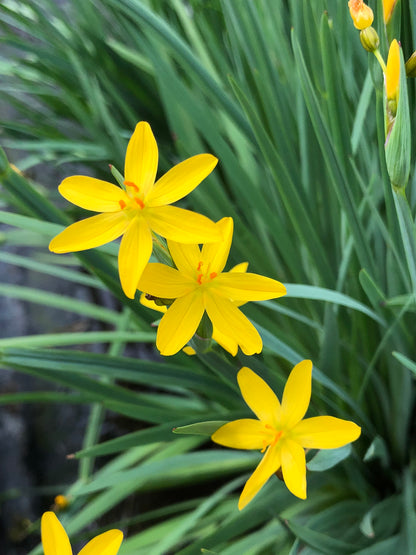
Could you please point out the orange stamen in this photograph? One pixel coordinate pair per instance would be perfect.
(132, 185)
(212, 275)
(277, 437)
(199, 279)
(199, 266)
(139, 202)
(122, 204)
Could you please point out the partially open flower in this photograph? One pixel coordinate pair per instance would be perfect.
(393, 77)
(361, 14)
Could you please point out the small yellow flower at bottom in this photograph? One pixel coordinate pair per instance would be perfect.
(361, 14)
(281, 431)
(55, 540)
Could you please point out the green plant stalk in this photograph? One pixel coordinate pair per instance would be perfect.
(408, 232)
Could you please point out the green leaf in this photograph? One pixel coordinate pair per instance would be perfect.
(327, 458)
(200, 428)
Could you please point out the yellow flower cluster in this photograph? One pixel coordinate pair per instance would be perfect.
(140, 212)
(195, 288)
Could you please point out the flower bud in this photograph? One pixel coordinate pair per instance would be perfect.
(369, 39)
(411, 65)
(361, 14)
(388, 7)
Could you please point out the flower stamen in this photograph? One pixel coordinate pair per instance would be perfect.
(139, 202)
(132, 185)
(122, 204)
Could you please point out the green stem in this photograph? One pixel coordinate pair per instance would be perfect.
(408, 232)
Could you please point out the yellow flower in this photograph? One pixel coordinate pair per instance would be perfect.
(281, 431)
(393, 72)
(216, 335)
(361, 14)
(198, 285)
(55, 540)
(388, 7)
(139, 209)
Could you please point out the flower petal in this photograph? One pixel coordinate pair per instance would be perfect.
(134, 253)
(294, 467)
(269, 464)
(92, 194)
(182, 225)
(181, 179)
(246, 433)
(240, 286)
(259, 396)
(227, 343)
(140, 166)
(89, 233)
(54, 538)
(186, 257)
(230, 321)
(151, 304)
(297, 394)
(165, 282)
(325, 432)
(216, 254)
(104, 544)
(240, 268)
(179, 323)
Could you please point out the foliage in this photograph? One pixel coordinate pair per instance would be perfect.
(280, 93)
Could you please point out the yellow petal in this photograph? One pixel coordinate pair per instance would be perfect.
(244, 434)
(297, 394)
(165, 282)
(54, 538)
(104, 544)
(325, 432)
(240, 268)
(181, 179)
(179, 324)
(182, 225)
(269, 464)
(227, 343)
(230, 321)
(92, 194)
(151, 304)
(294, 467)
(388, 6)
(185, 257)
(216, 254)
(393, 71)
(135, 250)
(259, 396)
(248, 287)
(140, 166)
(89, 233)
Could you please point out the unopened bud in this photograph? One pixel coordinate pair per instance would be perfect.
(361, 14)
(411, 65)
(369, 39)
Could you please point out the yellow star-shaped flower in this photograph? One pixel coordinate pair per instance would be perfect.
(281, 432)
(199, 285)
(55, 540)
(140, 209)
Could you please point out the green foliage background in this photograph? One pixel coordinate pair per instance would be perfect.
(284, 95)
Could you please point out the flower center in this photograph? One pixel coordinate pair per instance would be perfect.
(277, 434)
(136, 199)
(204, 276)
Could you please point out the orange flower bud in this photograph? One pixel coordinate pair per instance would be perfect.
(361, 14)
